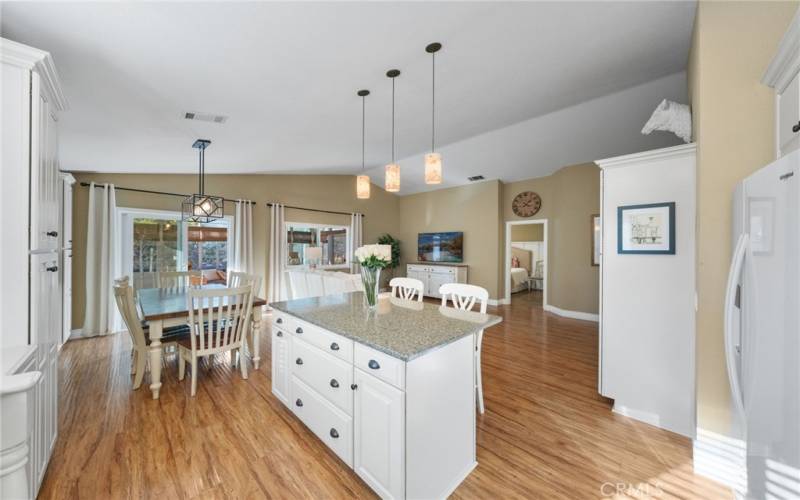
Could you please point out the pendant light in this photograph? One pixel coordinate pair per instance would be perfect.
(392, 175)
(362, 181)
(433, 160)
(201, 207)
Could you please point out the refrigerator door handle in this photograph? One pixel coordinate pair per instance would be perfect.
(731, 347)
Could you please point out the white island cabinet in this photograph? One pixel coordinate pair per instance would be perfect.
(391, 391)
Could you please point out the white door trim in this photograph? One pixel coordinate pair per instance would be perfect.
(507, 267)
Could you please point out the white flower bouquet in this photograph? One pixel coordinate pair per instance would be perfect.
(373, 258)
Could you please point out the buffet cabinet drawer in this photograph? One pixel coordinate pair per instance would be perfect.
(330, 424)
(329, 342)
(380, 365)
(282, 321)
(328, 376)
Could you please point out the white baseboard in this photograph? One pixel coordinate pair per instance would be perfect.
(498, 302)
(642, 416)
(721, 458)
(572, 314)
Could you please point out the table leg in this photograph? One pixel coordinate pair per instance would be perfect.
(156, 328)
(256, 334)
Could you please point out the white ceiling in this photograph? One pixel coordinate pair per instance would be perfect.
(286, 74)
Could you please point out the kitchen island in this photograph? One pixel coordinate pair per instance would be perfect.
(390, 390)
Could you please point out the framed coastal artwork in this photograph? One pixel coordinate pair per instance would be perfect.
(646, 229)
(596, 239)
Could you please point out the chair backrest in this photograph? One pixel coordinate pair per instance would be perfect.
(314, 283)
(464, 296)
(538, 271)
(220, 317)
(177, 279)
(238, 278)
(123, 295)
(297, 283)
(407, 288)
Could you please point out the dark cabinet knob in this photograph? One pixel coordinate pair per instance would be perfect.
(334, 433)
(54, 234)
(796, 128)
(279, 320)
(334, 383)
(354, 386)
(299, 361)
(52, 269)
(373, 364)
(299, 330)
(279, 333)
(334, 346)
(299, 402)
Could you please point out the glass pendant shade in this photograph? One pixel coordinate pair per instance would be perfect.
(362, 187)
(433, 168)
(392, 181)
(202, 208)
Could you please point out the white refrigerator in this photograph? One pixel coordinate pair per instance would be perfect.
(762, 324)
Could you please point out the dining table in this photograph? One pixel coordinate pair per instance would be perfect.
(166, 307)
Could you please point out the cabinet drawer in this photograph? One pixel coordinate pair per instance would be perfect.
(282, 321)
(329, 423)
(327, 375)
(383, 366)
(329, 342)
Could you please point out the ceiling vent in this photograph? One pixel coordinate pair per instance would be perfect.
(205, 117)
(475, 178)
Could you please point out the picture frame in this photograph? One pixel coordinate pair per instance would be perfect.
(594, 226)
(646, 229)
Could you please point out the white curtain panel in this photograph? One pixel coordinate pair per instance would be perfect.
(354, 241)
(276, 290)
(243, 237)
(100, 251)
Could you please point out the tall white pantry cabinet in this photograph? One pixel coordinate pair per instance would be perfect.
(30, 266)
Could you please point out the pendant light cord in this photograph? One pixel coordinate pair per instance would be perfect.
(363, 133)
(201, 181)
(393, 120)
(433, 101)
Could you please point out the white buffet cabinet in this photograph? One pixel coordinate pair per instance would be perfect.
(435, 275)
(406, 427)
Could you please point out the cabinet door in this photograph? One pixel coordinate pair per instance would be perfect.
(789, 117)
(437, 280)
(379, 457)
(280, 365)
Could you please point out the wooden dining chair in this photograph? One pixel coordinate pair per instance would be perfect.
(407, 288)
(239, 278)
(220, 320)
(177, 279)
(464, 297)
(139, 331)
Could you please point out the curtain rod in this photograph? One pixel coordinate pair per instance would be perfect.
(155, 192)
(269, 204)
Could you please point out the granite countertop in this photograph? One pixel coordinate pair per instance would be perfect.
(400, 328)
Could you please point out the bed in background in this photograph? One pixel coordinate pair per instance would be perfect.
(519, 275)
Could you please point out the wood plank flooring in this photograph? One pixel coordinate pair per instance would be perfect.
(546, 432)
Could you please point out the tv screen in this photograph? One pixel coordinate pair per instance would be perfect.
(440, 247)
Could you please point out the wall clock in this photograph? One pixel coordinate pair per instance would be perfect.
(526, 204)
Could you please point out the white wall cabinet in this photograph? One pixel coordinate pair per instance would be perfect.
(783, 75)
(30, 271)
(435, 275)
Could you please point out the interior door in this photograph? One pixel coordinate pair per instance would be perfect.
(771, 320)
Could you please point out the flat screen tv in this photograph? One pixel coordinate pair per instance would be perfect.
(440, 247)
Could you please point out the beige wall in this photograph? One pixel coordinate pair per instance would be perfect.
(527, 232)
(334, 192)
(733, 115)
(472, 209)
(569, 198)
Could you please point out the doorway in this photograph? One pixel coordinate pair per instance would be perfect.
(526, 262)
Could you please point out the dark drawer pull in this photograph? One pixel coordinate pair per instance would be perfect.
(54, 234)
(279, 333)
(334, 346)
(298, 330)
(299, 402)
(796, 128)
(334, 383)
(299, 361)
(279, 320)
(52, 269)
(373, 364)
(334, 433)
(354, 386)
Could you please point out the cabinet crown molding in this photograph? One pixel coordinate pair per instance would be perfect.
(786, 63)
(645, 156)
(37, 60)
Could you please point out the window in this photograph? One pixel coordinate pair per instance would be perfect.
(208, 251)
(331, 239)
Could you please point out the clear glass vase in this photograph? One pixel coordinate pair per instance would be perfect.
(371, 277)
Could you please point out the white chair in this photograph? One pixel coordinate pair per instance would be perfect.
(219, 320)
(314, 282)
(177, 279)
(138, 330)
(238, 278)
(463, 297)
(298, 285)
(407, 288)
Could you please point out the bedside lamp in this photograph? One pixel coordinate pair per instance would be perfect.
(312, 256)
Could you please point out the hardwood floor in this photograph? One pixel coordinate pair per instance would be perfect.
(546, 432)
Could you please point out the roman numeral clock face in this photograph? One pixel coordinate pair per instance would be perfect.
(526, 204)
